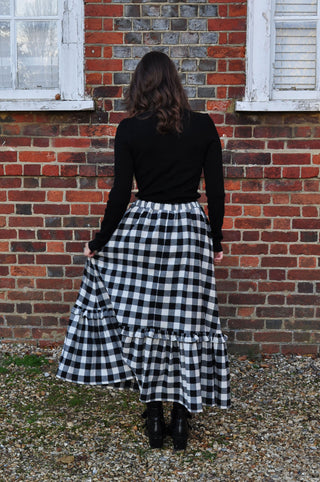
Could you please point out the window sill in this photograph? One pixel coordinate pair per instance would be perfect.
(46, 105)
(301, 105)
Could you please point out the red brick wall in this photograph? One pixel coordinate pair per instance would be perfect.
(56, 170)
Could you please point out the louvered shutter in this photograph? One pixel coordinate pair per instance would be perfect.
(295, 41)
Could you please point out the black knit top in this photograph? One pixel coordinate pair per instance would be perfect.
(167, 168)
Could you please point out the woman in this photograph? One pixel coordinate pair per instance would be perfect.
(147, 312)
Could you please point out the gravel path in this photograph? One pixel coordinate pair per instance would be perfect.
(52, 430)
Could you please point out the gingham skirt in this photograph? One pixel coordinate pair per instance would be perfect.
(147, 316)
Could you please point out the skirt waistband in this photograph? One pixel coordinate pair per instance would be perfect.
(156, 206)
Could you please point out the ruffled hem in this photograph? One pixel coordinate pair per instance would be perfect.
(180, 336)
(189, 368)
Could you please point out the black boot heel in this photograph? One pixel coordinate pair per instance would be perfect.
(155, 424)
(179, 427)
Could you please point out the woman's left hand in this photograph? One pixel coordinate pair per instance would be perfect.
(87, 252)
(218, 257)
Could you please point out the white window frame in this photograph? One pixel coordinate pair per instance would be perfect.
(258, 93)
(71, 93)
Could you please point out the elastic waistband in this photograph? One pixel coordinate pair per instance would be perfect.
(155, 206)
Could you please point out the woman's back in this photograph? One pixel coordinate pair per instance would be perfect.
(168, 167)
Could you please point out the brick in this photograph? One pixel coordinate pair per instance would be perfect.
(8, 156)
(248, 274)
(271, 336)
(258, 158)
(304, 274)
(313, 224)
(245, 324)
(93, 23)
(76, 157)
(248, 198)
(272, 131)
(311, 185)
(27, 246)
(29, 271)
(283, 185)
(246, 299)
(237, 38)
(108, 65)
(23, 333)
(278, 261)
(17, 141)
(104, 38)
(227, 24)
(81, 196)
(208, 10)
(6, 332)
(313, 199)
(252, 185)
(37, 156)
(179, 24)
(152, 38)
(303, 299)
(237, 10)
(124, 24)
(299, 349)
(290, 158)
(54, 234)
(236, 65)
(225, 79)
(249, 223)
(41, 130)
(197, 24)
(226, 52)
(311, 249)
(280, 236)
(103, 10)
(243, 349)
(307, 237)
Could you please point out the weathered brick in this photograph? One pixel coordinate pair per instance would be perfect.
(189, 11)
(169, 11)
(269, 284)
(179, 24)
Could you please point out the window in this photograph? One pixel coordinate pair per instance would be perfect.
(41, 55)
(283, 41)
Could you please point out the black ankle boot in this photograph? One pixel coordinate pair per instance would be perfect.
(179, 426)
(155, 424)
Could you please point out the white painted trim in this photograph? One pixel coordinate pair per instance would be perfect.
(278, 106)
(71, 91)
(258, 50)
(34, 105)
(259, 94)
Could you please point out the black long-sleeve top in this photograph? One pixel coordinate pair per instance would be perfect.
(167, 168)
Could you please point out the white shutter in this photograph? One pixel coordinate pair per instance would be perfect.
(295, 46)
(296, 7)
(283, 49)
(295, 56)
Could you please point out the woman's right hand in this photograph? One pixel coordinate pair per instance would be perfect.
(218, 257)
(87, 252)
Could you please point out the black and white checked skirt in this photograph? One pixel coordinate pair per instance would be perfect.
(147, 316)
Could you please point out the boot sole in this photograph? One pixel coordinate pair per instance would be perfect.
(180, 443)
(156, 443)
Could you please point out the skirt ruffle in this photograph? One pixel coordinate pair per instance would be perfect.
(185, 367)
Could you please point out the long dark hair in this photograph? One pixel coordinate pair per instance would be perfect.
(156, 88)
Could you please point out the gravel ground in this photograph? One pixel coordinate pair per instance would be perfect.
(52, 430)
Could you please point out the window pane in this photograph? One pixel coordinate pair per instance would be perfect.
(4, 7)
(37, 55)
(5, 60)
(295, 57)
(36, 8)
(296, 7)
